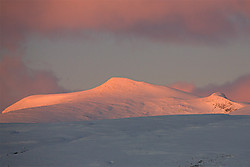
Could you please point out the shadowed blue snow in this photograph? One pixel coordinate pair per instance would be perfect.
(176, 141)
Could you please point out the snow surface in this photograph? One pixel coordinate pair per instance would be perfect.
(117, 98)
(162, 141)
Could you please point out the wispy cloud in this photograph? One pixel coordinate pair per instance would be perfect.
(18, 81)
(238, 90)
(193, 20)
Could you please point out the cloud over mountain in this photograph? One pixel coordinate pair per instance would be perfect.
(18, 81)
(238, 90)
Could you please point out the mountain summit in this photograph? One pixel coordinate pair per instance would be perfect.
(218, 94)
(116, 98)
(220, 101)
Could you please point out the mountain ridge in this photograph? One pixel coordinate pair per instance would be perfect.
(116, 98)
(113, 85)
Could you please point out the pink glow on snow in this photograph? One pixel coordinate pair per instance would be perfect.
(186, 87)
(18, 81)
(238, 90)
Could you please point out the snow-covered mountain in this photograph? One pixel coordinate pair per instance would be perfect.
(116, 98)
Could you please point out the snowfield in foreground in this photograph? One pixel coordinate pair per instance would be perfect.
(162, 141)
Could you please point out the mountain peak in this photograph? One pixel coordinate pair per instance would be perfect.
(220, 101)
(119, 80)
(216, 94)
(119, 83)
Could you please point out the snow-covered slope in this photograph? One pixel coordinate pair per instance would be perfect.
(116, 98)
(219, 101)
(162, 141)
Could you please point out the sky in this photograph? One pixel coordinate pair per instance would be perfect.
(54, 46)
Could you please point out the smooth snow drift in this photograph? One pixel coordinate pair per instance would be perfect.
(163, 141)
(117, 98)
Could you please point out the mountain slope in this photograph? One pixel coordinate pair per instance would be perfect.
(116, 98)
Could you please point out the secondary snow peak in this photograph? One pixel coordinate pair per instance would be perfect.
(219, 101)
(218, 94)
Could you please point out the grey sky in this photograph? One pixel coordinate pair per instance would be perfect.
(85, 62)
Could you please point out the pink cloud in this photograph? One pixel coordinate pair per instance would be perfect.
(170, 19)
(18, 81)
(238, 90)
